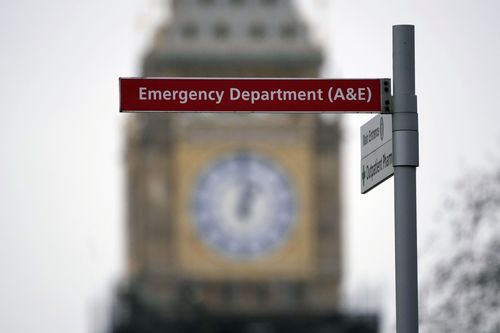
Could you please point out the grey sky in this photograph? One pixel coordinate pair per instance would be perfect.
(61, 204)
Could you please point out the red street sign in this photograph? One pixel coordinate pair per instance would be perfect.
(254, 95)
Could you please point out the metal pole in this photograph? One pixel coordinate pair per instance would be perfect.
(406, 159)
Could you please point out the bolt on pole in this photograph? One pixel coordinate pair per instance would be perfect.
(406, 160)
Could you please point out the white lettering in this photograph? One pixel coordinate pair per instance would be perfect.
(220, 96)
(142, 93)
(183, 96)
(362, 94)
(245, 95)
(154, 95)
(339, 94)
(235, 94)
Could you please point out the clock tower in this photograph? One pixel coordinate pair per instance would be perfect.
(237, 215)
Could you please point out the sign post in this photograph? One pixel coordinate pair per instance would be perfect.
(406, 159)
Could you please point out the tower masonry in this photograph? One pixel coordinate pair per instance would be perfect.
(234, 214)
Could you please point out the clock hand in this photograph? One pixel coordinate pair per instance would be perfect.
(245, 202)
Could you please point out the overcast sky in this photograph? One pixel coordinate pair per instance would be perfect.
(61, 138)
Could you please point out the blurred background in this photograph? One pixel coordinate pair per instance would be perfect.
(99, 230)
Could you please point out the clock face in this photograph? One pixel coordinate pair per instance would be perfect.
(244, 206)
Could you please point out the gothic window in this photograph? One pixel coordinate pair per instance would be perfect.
(229, 292)
(190, 30)
(262, 294)
(221, 30)
(257, 31)
(289, 31)
(298, 293)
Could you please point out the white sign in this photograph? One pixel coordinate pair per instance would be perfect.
(375, 133)
(376, 152)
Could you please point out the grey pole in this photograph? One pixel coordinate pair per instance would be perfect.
(406, 159)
